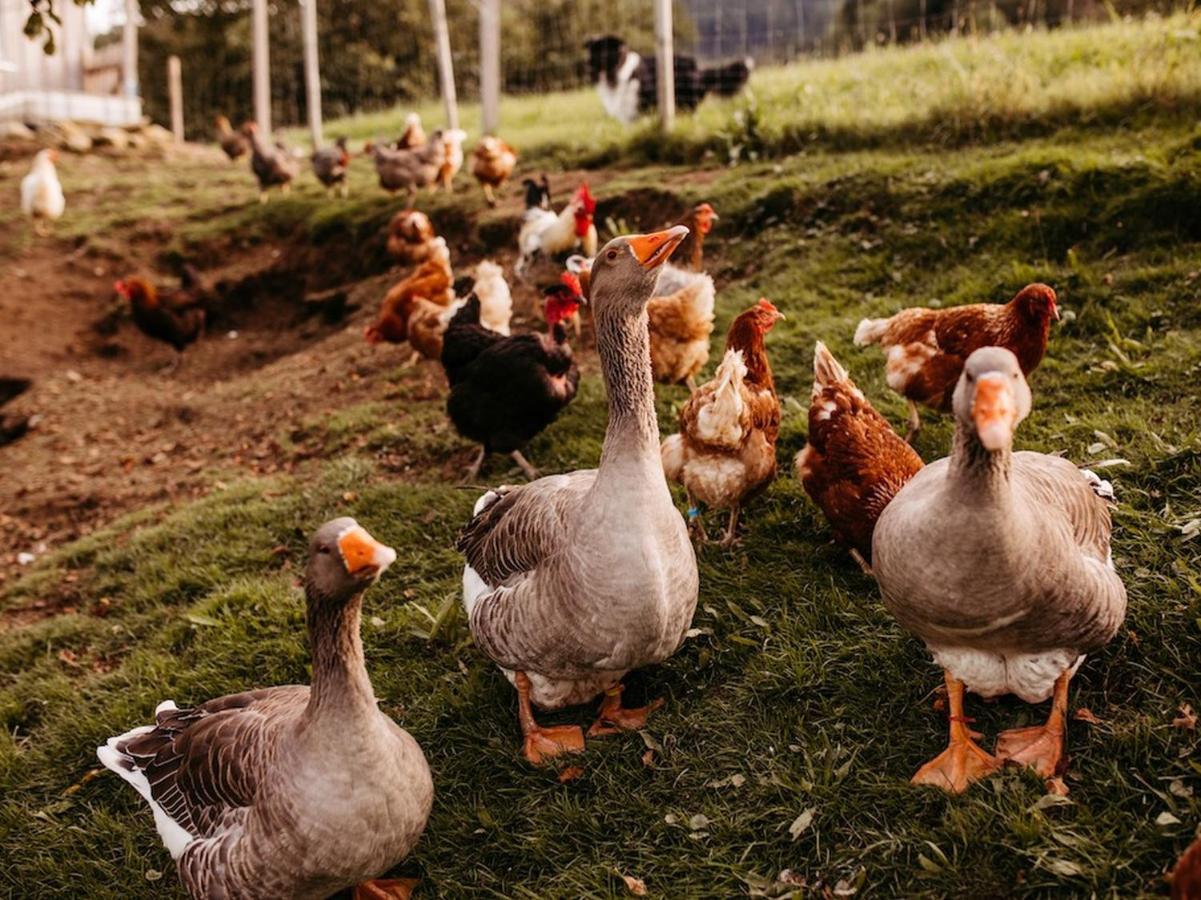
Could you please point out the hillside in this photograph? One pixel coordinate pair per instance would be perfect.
(175, 509)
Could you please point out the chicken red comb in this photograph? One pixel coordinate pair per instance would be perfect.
(586, 199)
(570, 279)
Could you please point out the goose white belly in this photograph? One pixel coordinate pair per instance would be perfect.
(1030, 676)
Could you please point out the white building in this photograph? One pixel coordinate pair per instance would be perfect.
(76, 82)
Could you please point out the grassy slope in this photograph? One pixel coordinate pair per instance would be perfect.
(799, 683)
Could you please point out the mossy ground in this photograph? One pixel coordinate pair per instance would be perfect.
(799, 694)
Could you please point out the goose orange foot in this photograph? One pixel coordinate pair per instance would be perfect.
(386, 889)
(613, 717)
(1040, 747)
(543, 743)
(963, 761)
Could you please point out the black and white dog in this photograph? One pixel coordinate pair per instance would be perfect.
(627, 82)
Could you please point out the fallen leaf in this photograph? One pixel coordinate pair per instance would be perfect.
(1057, 787)
(571, 773)
(699, 821)
(648, 759)
(68, 657)
(1187, 720)
(1166, 818)
(801, 823)
(153, 875)
(635, 886)
(1084, 714)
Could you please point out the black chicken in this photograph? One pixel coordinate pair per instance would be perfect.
(505, 390)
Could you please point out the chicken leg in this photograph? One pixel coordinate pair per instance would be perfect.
(915, 423)
(530, 472)
(963, 761)
(1040, 747)
(385, 889)
(488, 195)
(473, 470)
(541, 743)
(613, 717)
(730, 538)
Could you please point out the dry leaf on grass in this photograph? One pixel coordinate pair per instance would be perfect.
(1084, 714)
(1187, 720)
(635, 886)
(571, 773)
(1057, 787)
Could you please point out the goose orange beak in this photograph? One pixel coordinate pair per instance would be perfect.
(994, 411)
(364, 555)
(652, 250)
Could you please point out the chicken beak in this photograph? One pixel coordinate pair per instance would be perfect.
(652, 250)
(1055, 310)
(363, 555)
(994, 411)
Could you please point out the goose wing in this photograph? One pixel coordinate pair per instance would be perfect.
(1053, 482)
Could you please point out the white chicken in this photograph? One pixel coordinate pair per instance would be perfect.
(453, 139)
(496, 303)
(41, 193)
(545, 232)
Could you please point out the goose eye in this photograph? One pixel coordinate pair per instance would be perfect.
(612, 254)
(323, 549)
(970, 377)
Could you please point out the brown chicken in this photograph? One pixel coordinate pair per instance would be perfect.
(452, 156)
(725, 452)
(410, 236)
(175, 318)
(690, 254)
(1186, 877)
(272, 165)
(854, 463)
(233, 143)
(414, 135)
(408, 310)
(408, 170)
(492, 162)
(681, 321)
(927, 347)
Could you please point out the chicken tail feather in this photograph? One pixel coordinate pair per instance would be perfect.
(870, 331)
(826, 369)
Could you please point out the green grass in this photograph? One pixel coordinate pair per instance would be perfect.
(799, 693)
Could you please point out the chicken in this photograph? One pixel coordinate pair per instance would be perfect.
(690, 254)
(330, 165)
(431, 282)
(681, 320)
(1186, 877)
(427, 325)
(505, 390)
(496, 302)
(725, 451)
(176, 318)
(543, 232)
(233, 143)
(537, 193)
(410, 236)
(927, 347)
(272, 165)
(492, 163)
(452, 140)
(408, 170)
(414, 135)
(854, 463)
(42, 196)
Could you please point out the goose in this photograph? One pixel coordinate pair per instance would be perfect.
(573, 580)
(1000, 562)
(296, 791)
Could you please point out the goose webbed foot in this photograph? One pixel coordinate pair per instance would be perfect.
(964, 761)
(613, 717)
(1039, 747)
(386, 889)
(543, 743)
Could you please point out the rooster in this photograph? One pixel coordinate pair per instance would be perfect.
(690, 254)
(680, 317)
(410, 236)
(233, 143)
(433, 283)
(492, 162)
(413, 135)
(506, 390)
(330, 165)
(272, 165)
(452, 142)
(928, 347)
(725, 452)
(544, 232)
(42, 196)
(854, 463)
(408, 170)
(176, 318)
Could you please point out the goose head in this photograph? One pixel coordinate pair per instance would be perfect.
(624, 273)
(992, 397)
(344, 560)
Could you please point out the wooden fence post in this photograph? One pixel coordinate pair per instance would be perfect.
(129, 50)
(446, 71)
(490, 65)
(665, 64)
(261, 64)
(312, 72)
(175, 93)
